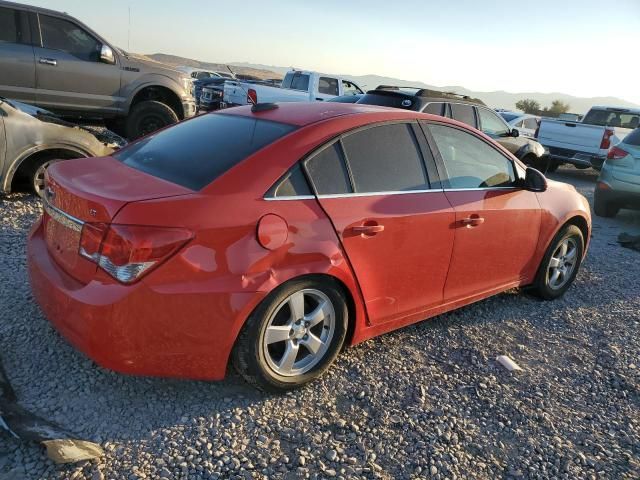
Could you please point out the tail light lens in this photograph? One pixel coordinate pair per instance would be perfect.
(606, 139)
(128, 252)
(616, 153)
(252, 96)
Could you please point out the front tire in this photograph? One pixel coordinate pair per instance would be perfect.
(293, 336)
(560, 264)
(604, 209)
(147, 117)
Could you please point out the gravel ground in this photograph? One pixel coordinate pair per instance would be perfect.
(428, 401)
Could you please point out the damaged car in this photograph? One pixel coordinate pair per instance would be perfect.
(31, 138)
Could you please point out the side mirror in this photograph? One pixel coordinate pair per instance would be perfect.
(515, 133)
(534, 181)
(106, 55)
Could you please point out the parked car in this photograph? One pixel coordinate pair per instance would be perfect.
(586, 144)
(211, 95)
(199, 74)
(325, 246)
(347, 98)
(471, 111)
(52, 60)
(619, 183)
(526, 124)
(198, 86)
(32, 138)
(297, 86)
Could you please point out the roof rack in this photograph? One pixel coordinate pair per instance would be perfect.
(425, 92)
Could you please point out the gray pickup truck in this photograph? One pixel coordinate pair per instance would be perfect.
(52, 60)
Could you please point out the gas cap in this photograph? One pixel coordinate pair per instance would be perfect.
(272, 231)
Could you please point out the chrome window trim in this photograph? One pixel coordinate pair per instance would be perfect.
(290, 197)
(374, 194)
(62, 217)
(476, 189)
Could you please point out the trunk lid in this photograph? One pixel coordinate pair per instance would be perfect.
(91, 190)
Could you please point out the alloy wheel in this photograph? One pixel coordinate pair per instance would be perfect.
(562, 263)
(299, 332)
(38, 179)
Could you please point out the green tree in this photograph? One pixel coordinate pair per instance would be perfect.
(558, 107)
(528, 105)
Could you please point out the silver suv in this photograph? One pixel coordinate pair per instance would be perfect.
(52, 60)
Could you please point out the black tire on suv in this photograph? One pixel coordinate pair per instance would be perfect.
(147, 117)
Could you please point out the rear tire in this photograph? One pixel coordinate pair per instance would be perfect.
(604, 209)
(560, 264)
(274, 351)
(147, 117)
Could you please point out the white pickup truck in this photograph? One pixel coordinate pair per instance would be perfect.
(585, 144)
(297, 86)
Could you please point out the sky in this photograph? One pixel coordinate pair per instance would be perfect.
(584, 48)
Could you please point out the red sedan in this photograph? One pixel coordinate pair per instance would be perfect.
(274, 235)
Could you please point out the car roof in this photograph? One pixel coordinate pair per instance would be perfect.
(32, 8)
(307, 113)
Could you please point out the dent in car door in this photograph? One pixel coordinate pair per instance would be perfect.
(395, 228)
(497, 224)
(70, 76)
(17, 67)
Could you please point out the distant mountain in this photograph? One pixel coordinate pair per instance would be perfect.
(497, 99)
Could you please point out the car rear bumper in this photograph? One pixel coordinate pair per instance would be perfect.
(625, 196)
(576, 157)
(139, 329)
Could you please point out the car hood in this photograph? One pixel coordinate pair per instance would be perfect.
(147, 65)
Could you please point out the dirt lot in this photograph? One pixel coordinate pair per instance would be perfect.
(428, 401)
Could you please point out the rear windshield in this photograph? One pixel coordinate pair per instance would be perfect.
(389, 100)
(633, 138)
(610, 118)
(196, 152)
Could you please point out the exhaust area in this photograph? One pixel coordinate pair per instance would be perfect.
(61, 445)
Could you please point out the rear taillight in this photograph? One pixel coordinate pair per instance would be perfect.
(127, 252)
(252, 96)
(606, 139)
(616, 153)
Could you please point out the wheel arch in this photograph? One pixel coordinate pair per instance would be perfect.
(161, 94)
(580, 222)
(23, 162)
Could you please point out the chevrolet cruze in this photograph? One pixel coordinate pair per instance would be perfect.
(273, 236)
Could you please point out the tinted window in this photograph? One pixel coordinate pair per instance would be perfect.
(296, 81)
(530, 123)
(612, 119)
(469, 161)
(293, 184)
(434, 108)
(13, 26)
(58, 34)
(349, 88)
(328, 86)
(463, 113)
(328, 172)
(492, 124)
(384, 159)
(196, 152)
(633, 138)
(8, 25)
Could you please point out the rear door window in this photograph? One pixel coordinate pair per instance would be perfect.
(385, 158)
(59, 34)
(464, 114)
(328, 86)
(196, 152)
(13, 26)
(328, 171)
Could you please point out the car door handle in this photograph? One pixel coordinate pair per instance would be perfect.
(472, 221)
(367, 229)
(49, 61)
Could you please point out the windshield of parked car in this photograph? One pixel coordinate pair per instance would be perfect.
(612, 118)
(509, 116)
(196, 152)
